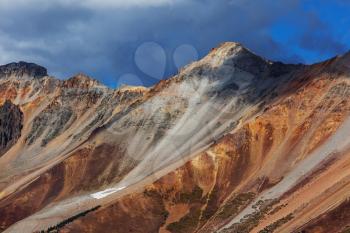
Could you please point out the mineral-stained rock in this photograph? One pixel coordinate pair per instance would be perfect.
(233, 143)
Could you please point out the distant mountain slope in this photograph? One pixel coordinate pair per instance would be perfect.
(233, 143)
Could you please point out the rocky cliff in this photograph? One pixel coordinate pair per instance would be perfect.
(11, 119)
(233, 143)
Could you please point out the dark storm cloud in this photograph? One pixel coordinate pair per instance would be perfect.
(101, 39)
(37, 22)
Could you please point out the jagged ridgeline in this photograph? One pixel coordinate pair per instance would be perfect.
(232, 143)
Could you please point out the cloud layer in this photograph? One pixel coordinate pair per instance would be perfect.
(101, 38)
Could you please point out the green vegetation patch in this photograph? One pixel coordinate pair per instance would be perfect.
(252, 220)
(187, 223)
(234, 206)
(212, 204)
(193, 197)
(272, 227)
(56, 229)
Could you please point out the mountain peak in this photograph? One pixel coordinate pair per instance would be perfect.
(20, 69)
(81, 80)
(227, 49)
(230, 55)
(81, 77)
(236, 54)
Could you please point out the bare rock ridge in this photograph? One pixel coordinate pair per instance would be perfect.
(81, 80)
(22, 69)
(232, 143)
(246, 60)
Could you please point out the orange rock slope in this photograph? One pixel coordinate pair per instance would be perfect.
(233, 143)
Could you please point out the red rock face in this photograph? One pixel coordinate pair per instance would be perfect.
(233, 143)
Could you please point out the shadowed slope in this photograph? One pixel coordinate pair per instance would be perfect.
(11, 120)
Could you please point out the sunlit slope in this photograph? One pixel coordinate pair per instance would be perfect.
(286, 170)
(233, 143)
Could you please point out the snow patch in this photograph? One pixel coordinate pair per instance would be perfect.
(106, 192)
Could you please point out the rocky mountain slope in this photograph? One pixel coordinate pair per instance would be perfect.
(233, 143)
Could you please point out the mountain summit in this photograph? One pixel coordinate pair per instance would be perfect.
(233, 143)
(22, 69)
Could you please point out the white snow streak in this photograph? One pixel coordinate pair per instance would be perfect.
(106, 192)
